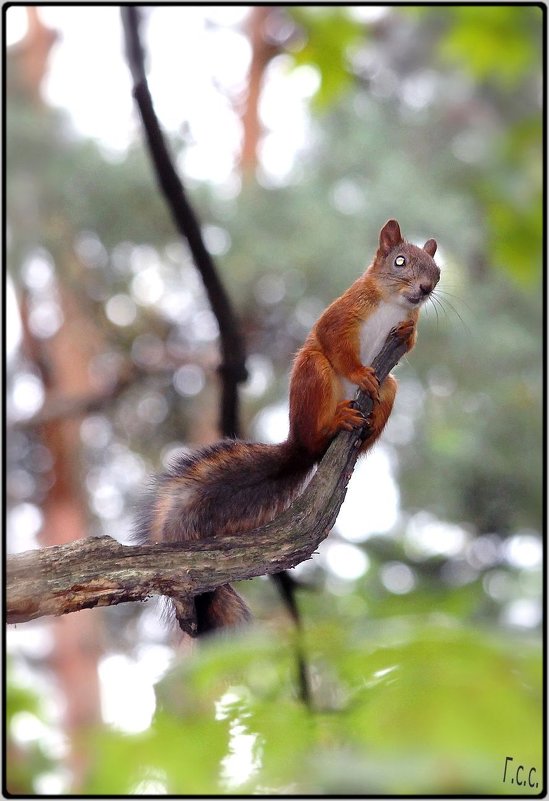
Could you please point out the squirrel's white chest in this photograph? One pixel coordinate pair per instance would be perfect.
(373, 333)
(375, 329)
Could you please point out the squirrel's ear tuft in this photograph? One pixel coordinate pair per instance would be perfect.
(430, 247)
(389, 236)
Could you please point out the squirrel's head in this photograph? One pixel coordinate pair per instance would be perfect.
(406, 271)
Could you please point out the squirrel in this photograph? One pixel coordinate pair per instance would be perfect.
(234, 486)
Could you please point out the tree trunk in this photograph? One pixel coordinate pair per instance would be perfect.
(262, 53)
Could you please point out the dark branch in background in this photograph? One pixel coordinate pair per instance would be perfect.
(101, 572)
(232, 369)
(233, 364)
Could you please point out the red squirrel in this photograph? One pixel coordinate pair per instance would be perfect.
(235, 486)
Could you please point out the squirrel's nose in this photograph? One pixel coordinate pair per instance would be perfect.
(425, 288)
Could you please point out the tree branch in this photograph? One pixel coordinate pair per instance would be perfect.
(233, 366)
(101, 572)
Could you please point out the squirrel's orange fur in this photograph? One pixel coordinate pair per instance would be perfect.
(235, 486)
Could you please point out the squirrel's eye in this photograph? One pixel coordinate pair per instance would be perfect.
(400, 261)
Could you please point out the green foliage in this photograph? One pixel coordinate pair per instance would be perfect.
(181, 754)
(416, 705)
(494, 43)
(27, 759)
(330, 34)
(512, 198)
(499, 47)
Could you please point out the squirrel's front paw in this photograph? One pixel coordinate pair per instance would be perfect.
(348, 417)
(405, 329)
(367, 380)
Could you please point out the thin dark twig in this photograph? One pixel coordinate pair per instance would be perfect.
(286, 586)
(232, 368)
(233, 364)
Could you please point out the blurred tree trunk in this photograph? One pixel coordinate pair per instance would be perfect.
(262, 52)
(30, 55)
(63, 361)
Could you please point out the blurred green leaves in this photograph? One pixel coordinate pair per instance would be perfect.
(512, 198)
(26, 756)
(497, 47)
(180, 754)
(414, 705)
(493, 43)
(500, 48)
(329, 36)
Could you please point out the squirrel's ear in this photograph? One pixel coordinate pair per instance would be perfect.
(389, 236)
(431, 247)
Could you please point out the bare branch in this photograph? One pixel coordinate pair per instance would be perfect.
(233, 366)
(101, 572)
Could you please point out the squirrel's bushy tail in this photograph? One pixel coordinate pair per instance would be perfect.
(219, 609)
(229, 487)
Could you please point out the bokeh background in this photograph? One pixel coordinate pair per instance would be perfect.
(298, 131)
